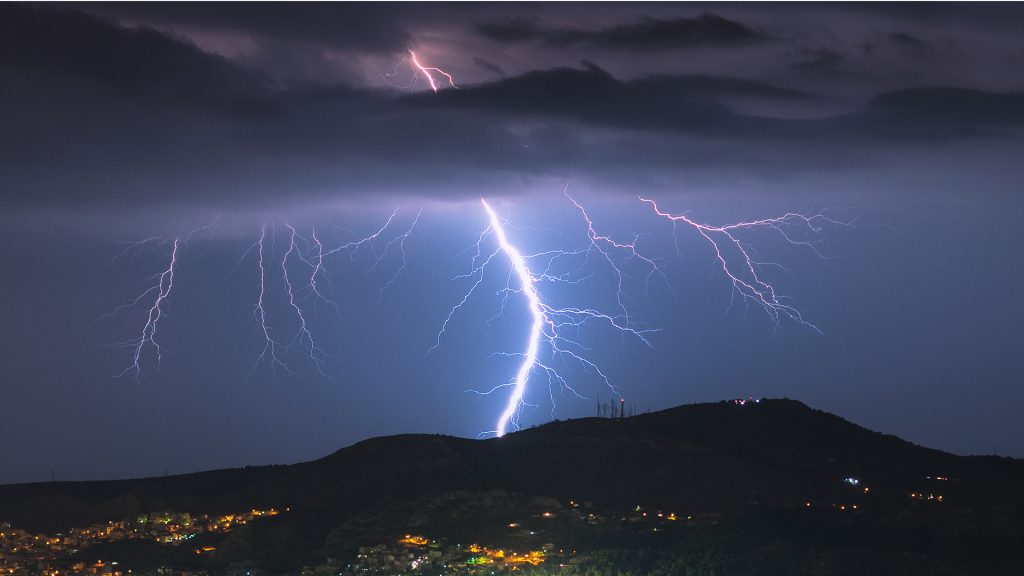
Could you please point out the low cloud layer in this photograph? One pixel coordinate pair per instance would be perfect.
(107, 115)
(647, 34)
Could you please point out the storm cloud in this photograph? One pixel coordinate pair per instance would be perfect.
(647, 34)
(131, 116)
(127, 121)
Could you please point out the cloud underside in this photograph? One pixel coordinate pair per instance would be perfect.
(647, 34)
(103, 115)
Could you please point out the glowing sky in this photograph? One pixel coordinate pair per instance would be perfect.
(308, 123)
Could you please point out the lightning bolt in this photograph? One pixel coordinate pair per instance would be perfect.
(429, 71)
(303, 336)
(397, 243)
(604, 244)
(740, 266)
(160, 291)
(312, 252)
(540, 319)
(148, 338)
(277, 276)
(547, 322)
(300, 274)
(271, 346)
(734, 256)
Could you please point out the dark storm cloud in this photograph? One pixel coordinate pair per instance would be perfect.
(107, 115)
(819, 59)
(905, 38)
(111, 116)
(645, 34)
(948, 112)
(593, 96)
(693, 106)
(333, 25)
(40, 42)
(491, 67)
(515, 29)
(134, 120)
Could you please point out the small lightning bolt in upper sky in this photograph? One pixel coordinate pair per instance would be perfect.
(429, 71)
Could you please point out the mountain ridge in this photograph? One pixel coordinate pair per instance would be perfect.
(762, 461)
(791, 441)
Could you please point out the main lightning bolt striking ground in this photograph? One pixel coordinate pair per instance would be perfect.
(543, 340)
(299, 275)
(547, 322)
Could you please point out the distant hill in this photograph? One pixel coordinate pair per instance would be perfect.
(717, 458)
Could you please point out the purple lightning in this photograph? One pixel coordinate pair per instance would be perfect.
(312, 252)
(546, 320)
(259, 312)
(742, 269)
(164, 283)
(303, 336)
(603, 244)
(734, 256)
(428, 72)
(148, 337)
(278, 275)
(298, 275)
(540, 319)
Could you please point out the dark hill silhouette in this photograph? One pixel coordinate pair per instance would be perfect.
(703, 458)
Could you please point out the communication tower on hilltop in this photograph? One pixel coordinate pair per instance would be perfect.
(613, 410)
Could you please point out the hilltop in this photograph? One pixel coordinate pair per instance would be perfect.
(715, 460)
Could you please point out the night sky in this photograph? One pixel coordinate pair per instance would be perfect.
(216, 123)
